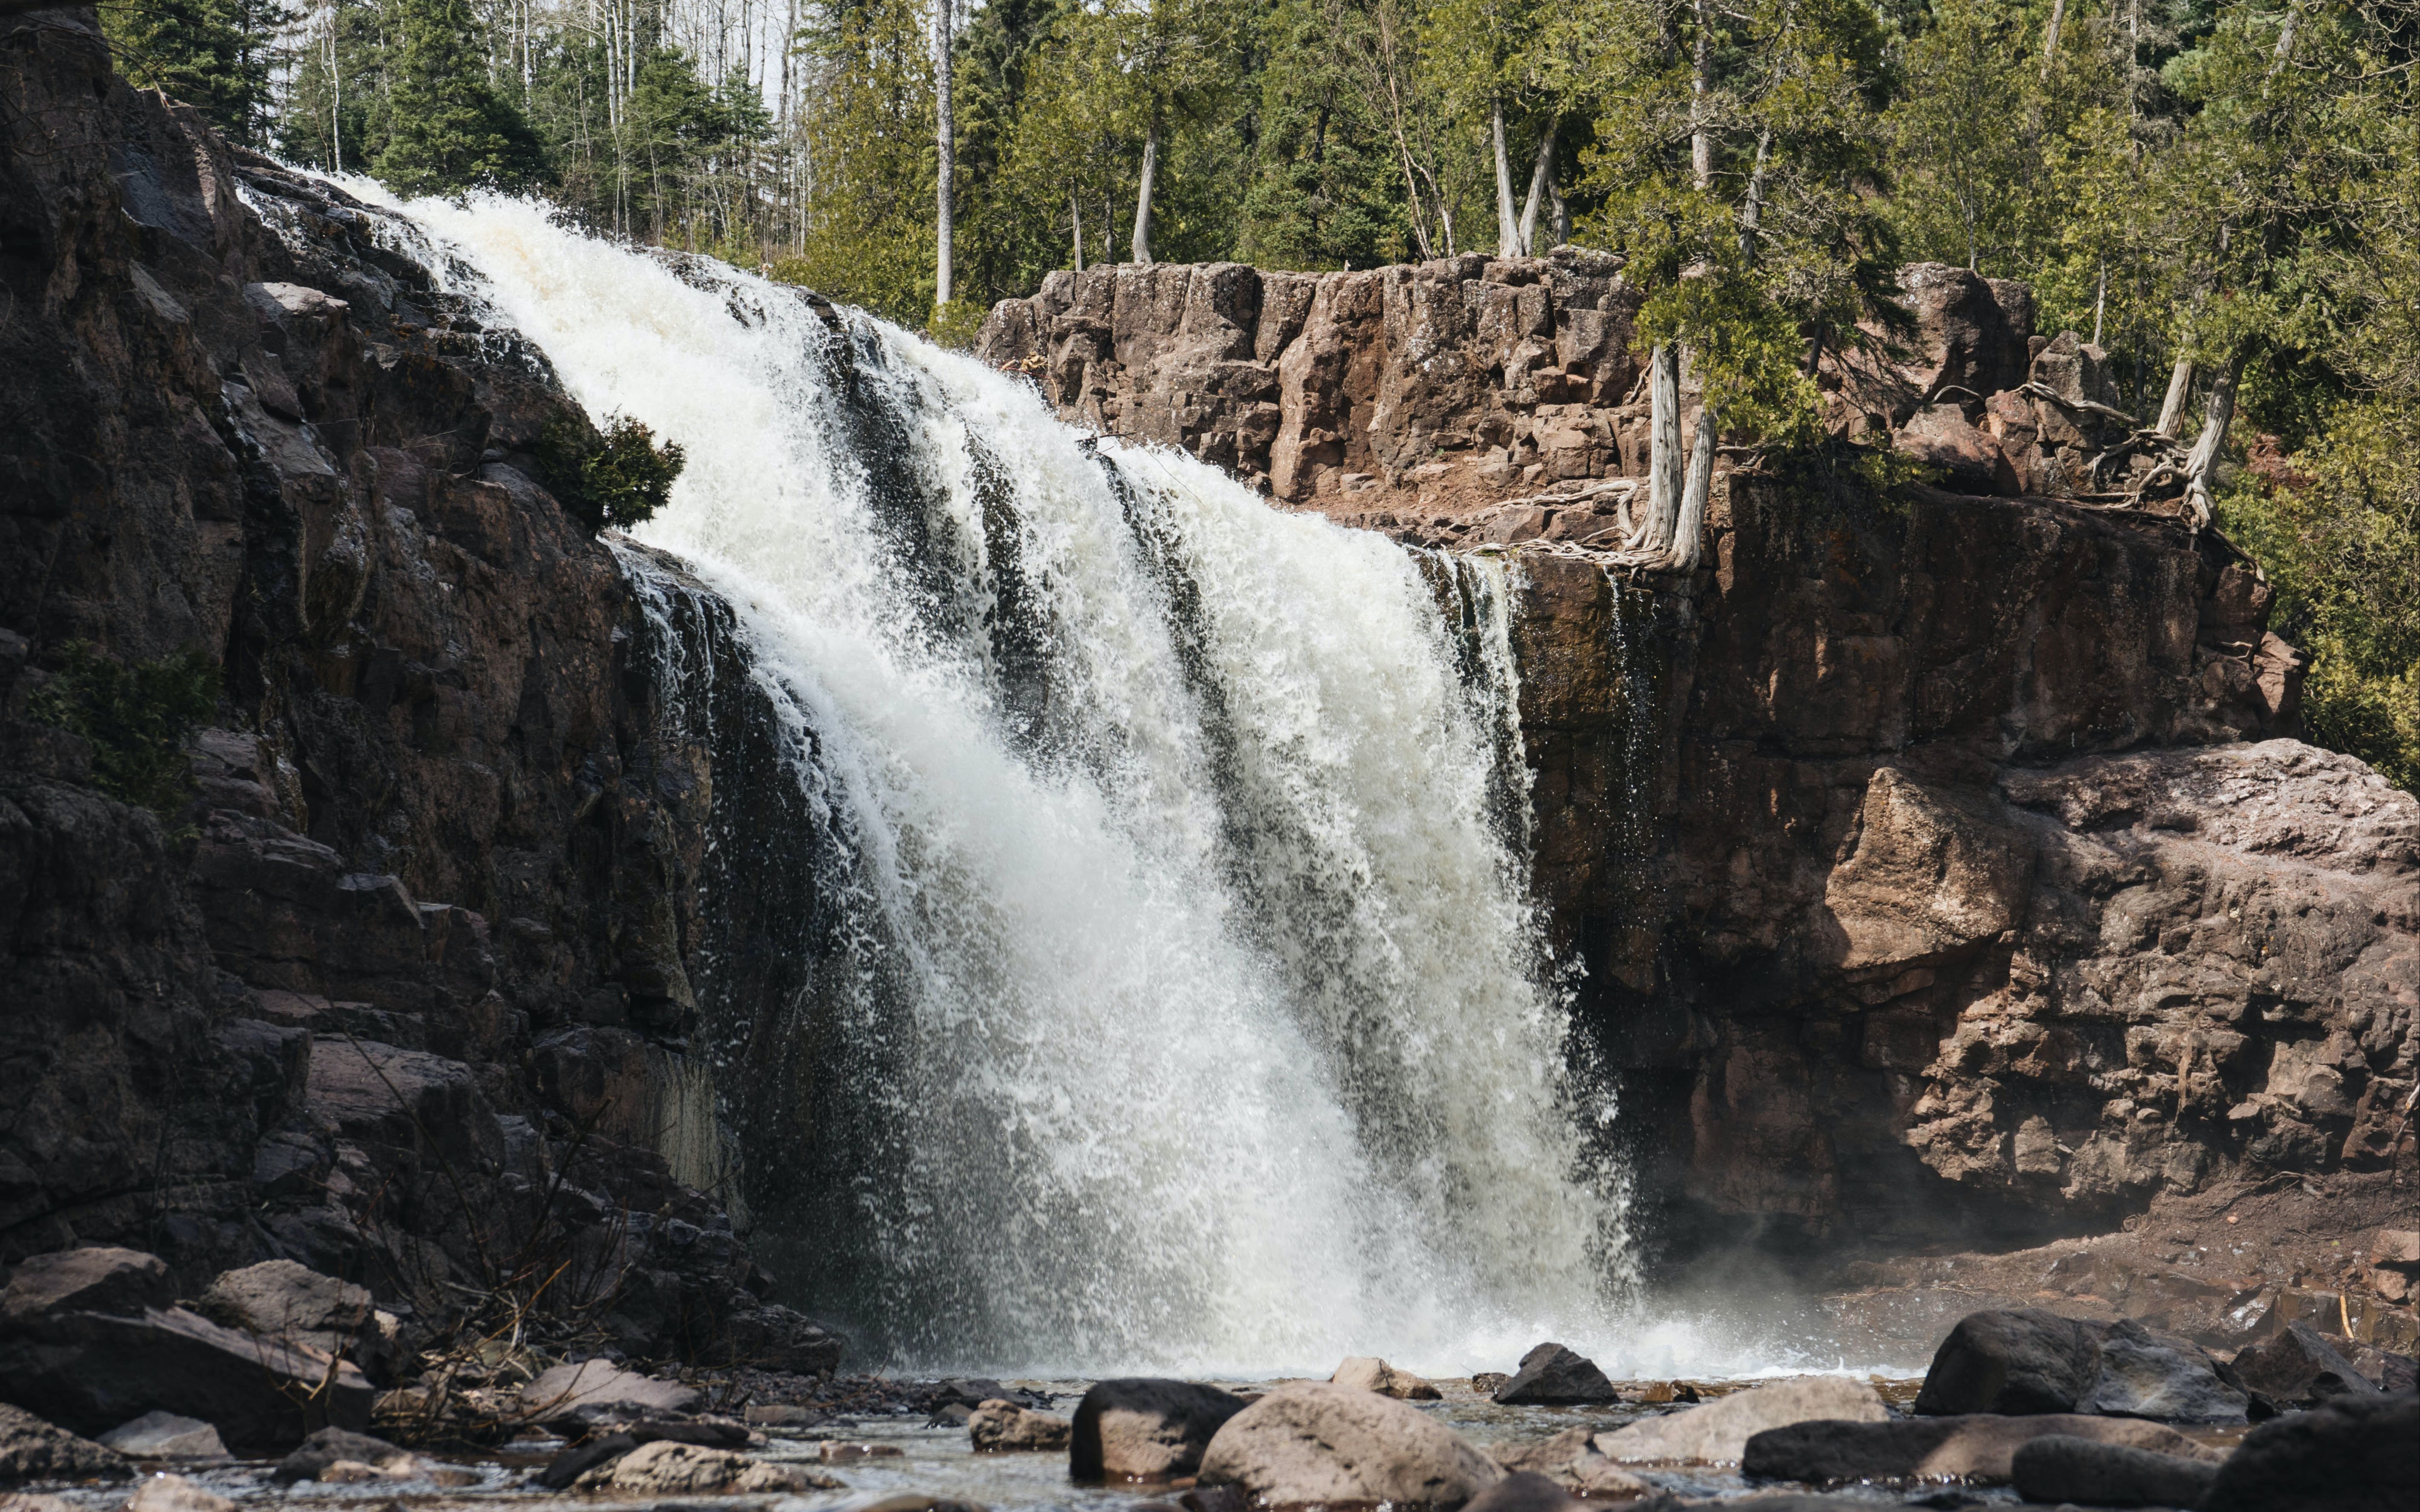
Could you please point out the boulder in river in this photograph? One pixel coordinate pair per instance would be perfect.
(2145, 1375)
(2299, 1367)
(2010, 1361)
(32, 1449)
(1138, 1427)
(1372, 1374)
(668, 1468)
(339, 1458)
(2058, 1468)
(1524, 1491)
(165, 1436)
(2353, 1454)
(1980, 1446)
(596, 1387)
(1001, 1427)
(1318, 1442)
(175, 1494)
(1572, 1462)
(1717, 1432)
(1554, 1376)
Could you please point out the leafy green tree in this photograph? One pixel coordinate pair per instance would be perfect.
(448, 128)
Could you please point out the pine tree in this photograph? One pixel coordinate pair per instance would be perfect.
(448, 128)
(216, 56)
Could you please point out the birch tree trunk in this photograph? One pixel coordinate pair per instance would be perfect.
(2172, 410)
(1076, 222)
(1540, 172)
(1701, 89)
(1688, 532)
(2217, 413)
(947, 151)
(1751, 215)
(1508, 230)
(1663, 451)
(2049, 37)
(1142, 196)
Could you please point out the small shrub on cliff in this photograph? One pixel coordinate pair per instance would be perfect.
(135, 715)
(617, 476)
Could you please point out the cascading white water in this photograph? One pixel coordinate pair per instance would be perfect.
(1193, 1014)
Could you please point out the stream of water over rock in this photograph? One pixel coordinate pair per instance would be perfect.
(1160, 990)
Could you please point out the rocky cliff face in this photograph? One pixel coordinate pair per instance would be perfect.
(1936, 865)
(402, 992)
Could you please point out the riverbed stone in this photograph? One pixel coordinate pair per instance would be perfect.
(1977, 1446)
(2353, 1454)
(1553, 1374)
(1717, 1432)
(1140, 1427)
(2144, 1374)
(316, 1456)
(668, 1468)
(286, 1301)
(2299, 1367)
(1570, 1460)
(1001, 1427)
(2011, 1361)
(165, 1436)
(33, 1449)
(98, 1278)
(599, 1386)
(175, 1494)
(1317, 1441)
(2059, 1468)
(1372, 1374)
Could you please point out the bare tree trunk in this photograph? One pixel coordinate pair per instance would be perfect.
(1562, 213)
(1508, 230)
(1751, 215)
(1701, 89)
(1142, 196)
(2285, 40)
(1540, 172)
(2217, 413)
(2172, 411)
(1076, 221)
(2099, 300)
(1663, 450)
(2050, 38)
(947, 151)
(1688, 534)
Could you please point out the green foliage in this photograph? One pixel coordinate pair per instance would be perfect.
(217, 55)
(449, 129)
(135, 717)
(618, 476)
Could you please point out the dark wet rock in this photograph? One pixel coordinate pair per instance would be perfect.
(292, 1304)
(953, 1415)
(32, 1449)
(2004, 1362)
(1524, 1490)
(669, 1469)
(1554, 1376)
(1976, 1447)
(2174, 1380)
(714, 1432)
(1570, 1460)
(1140, 1427)
(784, 1416)
(606, 1391)
(918, 1501)
(1717, 1432)
(968, 1390)
(2299, 1367)
(2057, 1468)
(93, 1371)
(2353, 1454)
(1372, 1374)
(95, 1279)
(580, 1458)
(1000, 1427)
(2390, 1372)
(314, 1458)
(165, 1436)
(1317, 1441)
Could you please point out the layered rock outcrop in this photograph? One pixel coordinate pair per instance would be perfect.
(1940, 865)
(401, 994)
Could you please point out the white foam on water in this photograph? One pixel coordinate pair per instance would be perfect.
(1226, 1047)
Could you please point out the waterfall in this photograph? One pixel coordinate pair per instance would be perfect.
(1118, 951)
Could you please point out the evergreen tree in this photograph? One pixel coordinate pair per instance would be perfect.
(448, 128)
(217, 55)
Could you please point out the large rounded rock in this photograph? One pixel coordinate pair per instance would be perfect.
(2012, 1362)
(2058, 1467)
(2145, 1375)
(1001, 1427)
(1554, 1376)
(1981, 1447)
(1138, 1427)
(1717, 1433)
(668, 1468)
(2355, 1453)
(1372, 1374)
(1316, 1442)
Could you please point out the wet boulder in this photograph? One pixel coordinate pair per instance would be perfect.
(1318, 1442)
(1372, 1374)
(1554, 1376)
(1000, 1427)
(2058, 1468)
(1144, 1429)
(1524, 1491)
(1572, 1462)
(1980, 1447)
(2012, 1362)
(31, 1449)
(2145, 1375)
(337, 1456)
(1717, 1432)
(2354, 1454)
(2299, 1369)
(668, 1468)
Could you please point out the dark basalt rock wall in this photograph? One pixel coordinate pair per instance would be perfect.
(1938, 867)
(404, 993)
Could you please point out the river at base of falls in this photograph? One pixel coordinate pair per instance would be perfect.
(1141, 868)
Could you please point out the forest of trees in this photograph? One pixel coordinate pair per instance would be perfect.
(2223, 194)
